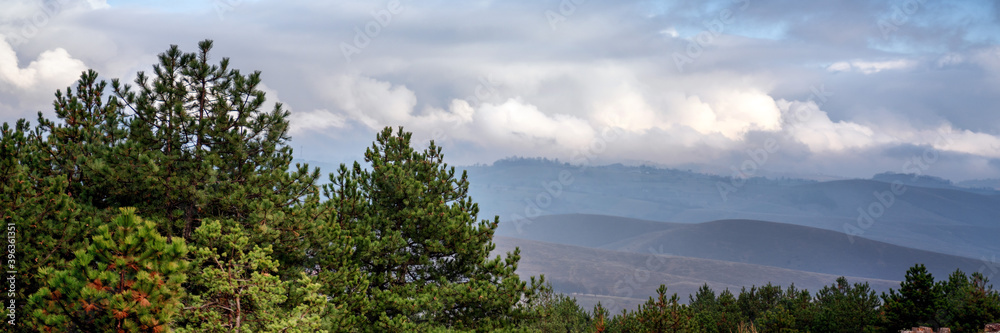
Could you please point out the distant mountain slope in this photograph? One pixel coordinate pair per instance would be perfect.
(587, 230)
(947, 220)
(929, 205)
(621, 279)
(746, 241)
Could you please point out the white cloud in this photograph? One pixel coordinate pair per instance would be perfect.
(316, 120)
(806, 123)
(729, 113)
(965, 141)
(736, 112)
(515, 122)
(52, 70)
(371, 102)
(871, 67)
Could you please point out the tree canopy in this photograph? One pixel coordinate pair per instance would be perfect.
(190, 153)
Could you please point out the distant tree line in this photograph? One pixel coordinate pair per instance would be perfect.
(526, 161)
(963, 303)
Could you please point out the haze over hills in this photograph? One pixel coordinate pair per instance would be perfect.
(592, 229)
(745, 241)
(623, 280)
(953, 220)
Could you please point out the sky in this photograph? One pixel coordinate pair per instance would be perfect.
(782, 87)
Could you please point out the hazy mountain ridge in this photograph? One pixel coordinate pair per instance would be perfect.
(952, 221)
(747, 241)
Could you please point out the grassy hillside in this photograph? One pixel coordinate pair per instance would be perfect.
(623, 280)
(746, 241)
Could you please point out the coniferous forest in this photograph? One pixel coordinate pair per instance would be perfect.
(170, 204)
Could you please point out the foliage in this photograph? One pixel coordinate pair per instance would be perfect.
(420, 247)
(242, 292)
(915, 303)
(777, 319)
(191, 148)
(842, 307)
(47, 220)
(662, 314)
(715, 314)
(967, 302)
(127, 279)
(559, 313)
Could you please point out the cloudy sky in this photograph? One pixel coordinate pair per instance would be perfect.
(845, 88)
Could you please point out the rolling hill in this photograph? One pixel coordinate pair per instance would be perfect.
(745, 241)
(945, 219)
(623, 280)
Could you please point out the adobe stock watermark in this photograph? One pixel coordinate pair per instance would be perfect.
(758, 157)
(900, 15)
(222, 7)
(713, 29)
(363, 37)
(552, 190)
(565, 9)
(916, 165)
(44, 13)
(10, 282)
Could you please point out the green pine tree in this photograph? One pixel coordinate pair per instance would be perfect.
(777, 320)
(558, 313)
(418, 242)
(729, 315)
(967, 303)
(842, 307)
(915, 302)
(665, 314)
(189, 143)
(242, 292)
(47, 221)
(128, 279)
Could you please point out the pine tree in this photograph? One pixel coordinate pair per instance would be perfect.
(600, 315)
(778, 320)
(189, 143)
(799, 303)
(967, 303)
(665, 315)
(424, 254)
(915, 302)
(47, 221)
(242, 291)
(558, 313)
(128, 279)
(843, 307)
(729, 312)
(703, 299)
